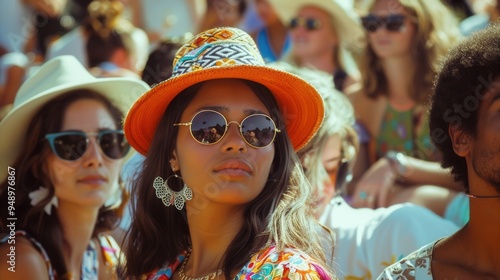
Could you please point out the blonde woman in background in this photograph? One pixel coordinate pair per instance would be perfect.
(325, 34)
(405, 40)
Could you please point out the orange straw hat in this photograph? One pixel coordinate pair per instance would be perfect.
(221, 53)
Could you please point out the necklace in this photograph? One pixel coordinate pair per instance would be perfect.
(183, 275)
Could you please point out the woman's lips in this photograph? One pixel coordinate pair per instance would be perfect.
(234, 168)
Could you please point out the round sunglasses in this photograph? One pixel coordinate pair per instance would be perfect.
(393, 22)
(208, 127)
(308, 23)
(72, 145)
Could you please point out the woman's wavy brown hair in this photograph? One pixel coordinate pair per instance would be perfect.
(31, 173)
(436, 32)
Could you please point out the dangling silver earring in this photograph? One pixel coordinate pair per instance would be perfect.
(168, 196)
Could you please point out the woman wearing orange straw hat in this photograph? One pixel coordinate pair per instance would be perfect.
(61, 149)
(229, 207)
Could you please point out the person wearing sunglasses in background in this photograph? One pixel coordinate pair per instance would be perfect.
(469, 76)
(229, 207)
(398, 163)
(61, 151)
(366, 240)
(324, 36)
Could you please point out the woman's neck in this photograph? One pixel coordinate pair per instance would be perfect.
(277, 33)
(324, 62)
(77, 226)
(211, 234)
(399, 74)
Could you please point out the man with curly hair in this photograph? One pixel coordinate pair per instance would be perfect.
(465, 126)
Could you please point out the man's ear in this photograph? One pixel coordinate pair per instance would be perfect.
(460, 140)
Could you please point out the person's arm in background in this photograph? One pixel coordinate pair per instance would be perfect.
(421, 172)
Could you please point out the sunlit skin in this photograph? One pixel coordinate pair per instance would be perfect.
(485, 151)
(230, 171)
(479, 237)
(88, 181)
(224, 177)
(392, 44)
(309, 46)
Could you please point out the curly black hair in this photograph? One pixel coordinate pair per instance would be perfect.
(464, 76)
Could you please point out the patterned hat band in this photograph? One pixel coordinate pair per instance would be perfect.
(218, 49)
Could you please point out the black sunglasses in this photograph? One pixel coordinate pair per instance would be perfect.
(209, 127)
(72, 145)
(393, 22)
(308, 23)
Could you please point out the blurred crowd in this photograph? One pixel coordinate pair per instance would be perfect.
(376, 175)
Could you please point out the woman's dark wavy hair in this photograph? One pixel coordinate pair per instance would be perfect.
(464, 76)
(158, 233)
(31, 174)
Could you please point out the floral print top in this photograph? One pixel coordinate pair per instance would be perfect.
(268, 263)
(415, 266)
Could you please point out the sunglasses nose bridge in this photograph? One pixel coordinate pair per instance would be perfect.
(93, 145)
(236, 123)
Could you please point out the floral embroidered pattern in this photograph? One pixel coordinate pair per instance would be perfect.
(266, 264)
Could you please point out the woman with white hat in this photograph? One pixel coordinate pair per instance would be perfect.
(325, 35)
(232, 207)
(61, 152)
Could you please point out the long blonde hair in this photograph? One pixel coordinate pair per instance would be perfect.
(437, 31)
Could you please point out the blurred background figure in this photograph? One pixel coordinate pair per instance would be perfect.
(51, 19)
(16, 29)
(405, 40)
(367, 240)
(105, 40)
(166, 18)
(485, 12)
(222, 13)
(273, 38)
(159, 64)
(325, 34)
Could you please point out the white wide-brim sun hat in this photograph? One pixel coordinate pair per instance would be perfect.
(344, 18)
(54, 78)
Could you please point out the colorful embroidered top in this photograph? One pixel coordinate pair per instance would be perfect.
(416, 266)
(406, 132)
(266, 264)
(90, 264)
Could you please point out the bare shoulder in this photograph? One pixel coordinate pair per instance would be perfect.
(24, 261)
(368, 110)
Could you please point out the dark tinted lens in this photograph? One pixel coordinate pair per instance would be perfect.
(70, 147)
(294, 23)
(114, 145)
(370, 23)
(258, 130)
(395, 23)
(312, 24)
(208, 127)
